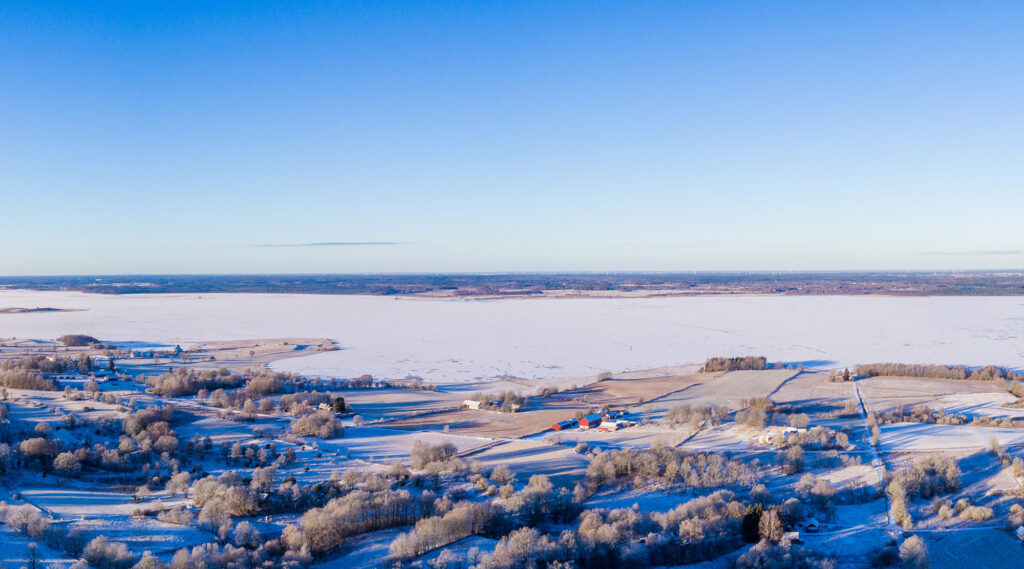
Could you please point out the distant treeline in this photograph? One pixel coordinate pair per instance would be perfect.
(987, 373)
(927, 415)
(782, 283)
(77, 340)
(732, 364)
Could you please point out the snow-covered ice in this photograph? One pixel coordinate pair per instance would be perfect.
(462, 340)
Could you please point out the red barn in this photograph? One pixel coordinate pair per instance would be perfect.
(590, 421)
(562, 425)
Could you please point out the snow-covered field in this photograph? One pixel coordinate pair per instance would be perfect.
(376, 444)
(463, 340)
(647, 500)
(911, 437)
(970, 398)
(981, 405)
(528, 457)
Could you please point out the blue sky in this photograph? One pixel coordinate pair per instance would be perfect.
(189, 137)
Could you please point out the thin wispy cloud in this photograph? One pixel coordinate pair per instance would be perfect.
(982, 252)
(333, 244)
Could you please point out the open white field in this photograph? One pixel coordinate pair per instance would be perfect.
(97, 512)
(726, 390)
(725, 437)
(645, 500)
(384, 445)
(144, 534)
(814, 393)
(389, 403)
(851, 476)
(869, 513)
(980, 405)
(471, 547)
(638, 437)
(732, 388)
(67, 502)
(461, 340)
(41, 406)
(885, 393)
(848, 545)
(13, 547)
(365, 551)
(223, 430)
(526, 458)
(920, 437)
(633, 391)
(977, 548)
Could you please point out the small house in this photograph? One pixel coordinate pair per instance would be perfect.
(1020, 533)
(471, 404)
(792, 537)
(812, 525)
(590, 421)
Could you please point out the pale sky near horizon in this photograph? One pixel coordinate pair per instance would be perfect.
(197, 137)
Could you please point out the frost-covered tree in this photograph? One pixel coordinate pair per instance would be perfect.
(914, 553)
(67, 464)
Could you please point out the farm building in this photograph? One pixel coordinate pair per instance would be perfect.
(590, 421)
(471, 404)
(614, 425)
(60, 376)
(562, 425)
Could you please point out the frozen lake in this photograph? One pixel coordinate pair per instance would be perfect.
(462, 340)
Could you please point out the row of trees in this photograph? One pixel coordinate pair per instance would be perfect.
(668, 467)
(185, 381)
(27, 379)
(323, 530)
(463, 520)
(699, 530)
(507, 401)
(925, 414)
(987, 373)
(696, 415)
(297, 404)
(735, 363)
(78, 340)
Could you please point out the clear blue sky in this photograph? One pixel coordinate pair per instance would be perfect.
(145, 137)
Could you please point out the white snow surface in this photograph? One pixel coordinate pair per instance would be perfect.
(464, 340)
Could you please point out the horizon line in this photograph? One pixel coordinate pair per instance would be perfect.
(537, 272)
